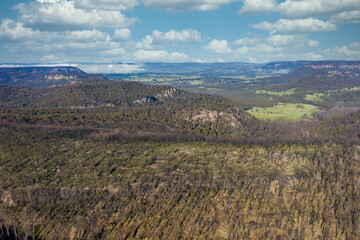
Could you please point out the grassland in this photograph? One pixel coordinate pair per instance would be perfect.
(282, 93)
(287, 111)
(351, 89)
(314, 97)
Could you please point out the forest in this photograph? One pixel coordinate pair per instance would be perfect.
(104, 159)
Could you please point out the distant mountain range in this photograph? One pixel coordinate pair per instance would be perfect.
(320, 77)
(227, 68)
(43, 76)
(302, 75)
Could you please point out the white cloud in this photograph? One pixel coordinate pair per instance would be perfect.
(286, 26)
(346, 17)
(184, 5)
(265, 52)
(158, 38)
(218, 47)
(121, 35)
(111, 68)
(59, 15)
(89, 35)
(312, 43)
(12, 31)
(266, 48)
(282, 40)
(187, 35)
(277, 47)
(313, 56)
(247, 41)
(316, 8)
(350, 52)
(259, 53)
(57, 46)
(159, 55)
(113, 52)
(146, 43)
(257, 6)
(298, 40)
(113, 5)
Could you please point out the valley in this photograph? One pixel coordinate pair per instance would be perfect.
(163, 155)
(319, 84)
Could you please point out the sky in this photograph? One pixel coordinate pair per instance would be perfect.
(135, 31)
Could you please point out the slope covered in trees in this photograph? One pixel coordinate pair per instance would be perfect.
(59, 184)
(122, 160)
(320, 77)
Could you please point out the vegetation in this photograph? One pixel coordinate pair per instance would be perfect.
(72, 184)
(288, 92)
(287, 111)
(102, 159)
(314, 97)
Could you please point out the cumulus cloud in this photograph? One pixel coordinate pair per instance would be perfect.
(146, 42)
(184, 5)
(257, 6)
(218, 47)
(13, 31)
(170, 37)
(113, 5)
(247, 41)
(187, 35)
(312, 43)
(57, 46)
(276, 47)
(265, 52)
(259, 53)
(121, 35)
(82, 35)
(287, 26)
(350, 52)
(318, 8)
(313, 56)
(59, 15)
(298, 40)
(346, 17)
(159, 55)
(111, 68)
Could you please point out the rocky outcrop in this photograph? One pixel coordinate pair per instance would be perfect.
(159, 96)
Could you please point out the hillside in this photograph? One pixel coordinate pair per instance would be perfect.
(109, 104)
(101, 159)
(74, 184)
(319, 77)
(42, 76)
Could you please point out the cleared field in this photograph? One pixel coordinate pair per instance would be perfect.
(288, 92)
(314, 97)
(196, 82)
(351, 89)
(287, 111)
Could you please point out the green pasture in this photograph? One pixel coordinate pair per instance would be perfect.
(288, 92)
(287, 111)
(314, 97)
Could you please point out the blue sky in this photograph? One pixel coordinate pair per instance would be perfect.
(110, 31)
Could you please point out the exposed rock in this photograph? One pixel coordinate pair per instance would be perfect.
(159, 96)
